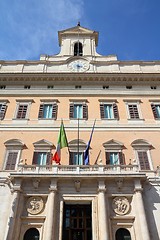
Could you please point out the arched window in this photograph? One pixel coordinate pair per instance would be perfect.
(142, 154)
(14, 149)
(123, 234)
(31, 234)
(78, 49)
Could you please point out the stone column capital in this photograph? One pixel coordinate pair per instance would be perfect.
(53, 186)
(102, 186)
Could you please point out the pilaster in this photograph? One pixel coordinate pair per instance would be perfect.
(49, 231)
(102, 212)
(16, 190)
(142, 221)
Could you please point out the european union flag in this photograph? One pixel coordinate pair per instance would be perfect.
(86, 153)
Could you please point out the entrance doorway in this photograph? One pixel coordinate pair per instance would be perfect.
(123, 234)
(77, 222)
(31, 234)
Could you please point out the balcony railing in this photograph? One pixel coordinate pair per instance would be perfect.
(77, 169)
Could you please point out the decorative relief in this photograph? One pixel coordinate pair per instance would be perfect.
(77, 185)
(35, 183)
(120, 205)
(35, 205)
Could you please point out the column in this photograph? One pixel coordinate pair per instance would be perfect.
(141, 211)
(102, 213)
(49, 232)
(12, 218)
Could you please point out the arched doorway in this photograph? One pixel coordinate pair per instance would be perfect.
(31, 234)
(123, 234)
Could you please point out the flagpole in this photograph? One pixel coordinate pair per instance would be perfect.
(78, 141)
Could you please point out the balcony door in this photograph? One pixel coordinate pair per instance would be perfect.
(77, 222)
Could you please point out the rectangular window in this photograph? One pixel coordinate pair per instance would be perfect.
(133, 111)
(109, 111)
(42, 158)
(114, 158)
(11, 160)
(143, 160)
(22, 111)
(78, 110)
(3, 108)
(156, 110)
(48, 111)
(76, 158)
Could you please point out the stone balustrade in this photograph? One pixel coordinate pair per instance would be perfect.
(76, 169)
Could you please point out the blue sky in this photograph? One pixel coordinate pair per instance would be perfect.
(128, 28)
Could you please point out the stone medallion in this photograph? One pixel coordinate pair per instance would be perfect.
(120, 205)
(35, 205)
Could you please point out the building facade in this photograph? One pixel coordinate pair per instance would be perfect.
(116, 196)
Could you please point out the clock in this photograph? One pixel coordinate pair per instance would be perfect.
(78, 66)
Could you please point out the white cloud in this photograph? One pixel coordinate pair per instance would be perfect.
(30, 27)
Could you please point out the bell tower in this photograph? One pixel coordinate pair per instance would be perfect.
(78, 41)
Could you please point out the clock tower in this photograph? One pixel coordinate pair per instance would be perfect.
(78, 41)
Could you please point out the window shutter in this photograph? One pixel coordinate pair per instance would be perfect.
(11, 160)
(49, 158)
(154, 111)
(3, 111)
(107, 157)
(102, 111)
(71, 158)
(54, 111)
(121, 158)
(22, 110)
(35, 158)
(143, 160)
(115, 110)
(85, 111)
(40, 114)
(71, 110)
(133, 111)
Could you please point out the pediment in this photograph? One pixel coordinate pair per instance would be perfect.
(141, 143)
(77, 30)
(75, 143)
(43, 143)
(113, 144)
(14, 142)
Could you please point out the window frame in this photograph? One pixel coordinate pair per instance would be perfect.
(141, 145)
(3, 108)
(47, 102)
(113, 104)
(43, 146)
(120, 157)
(73, 149)
(137, 104)
(113, 146)
(84, 105)
(154, 111)
(19, 103)
(13, 145)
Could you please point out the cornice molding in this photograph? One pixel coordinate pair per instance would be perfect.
(86, 78)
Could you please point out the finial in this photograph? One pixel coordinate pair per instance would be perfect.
(78, 24)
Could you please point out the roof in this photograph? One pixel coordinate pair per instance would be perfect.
(77, 30)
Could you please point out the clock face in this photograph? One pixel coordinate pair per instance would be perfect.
(78, 66)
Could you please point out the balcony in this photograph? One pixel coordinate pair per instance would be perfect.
(78, 169)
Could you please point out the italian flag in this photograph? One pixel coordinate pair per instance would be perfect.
(62, 142)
